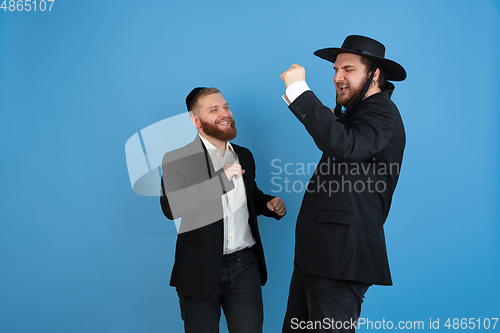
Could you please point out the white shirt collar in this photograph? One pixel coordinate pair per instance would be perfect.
(214, 150)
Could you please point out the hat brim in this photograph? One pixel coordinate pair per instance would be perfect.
(392, 70)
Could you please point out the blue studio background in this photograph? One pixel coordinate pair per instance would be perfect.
(81, 252)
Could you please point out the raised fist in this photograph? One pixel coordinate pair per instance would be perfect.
(293, 74)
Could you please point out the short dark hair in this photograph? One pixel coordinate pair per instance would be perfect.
(203, 92)
(370, 64)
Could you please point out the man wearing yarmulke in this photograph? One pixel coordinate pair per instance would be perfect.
(219, 257)
(340, 248)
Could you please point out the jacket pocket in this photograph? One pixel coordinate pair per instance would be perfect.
(334, 216)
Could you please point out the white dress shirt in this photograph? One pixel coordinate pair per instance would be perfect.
(237, 233)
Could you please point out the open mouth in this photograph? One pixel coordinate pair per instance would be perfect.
(225, 122)
(343, 88)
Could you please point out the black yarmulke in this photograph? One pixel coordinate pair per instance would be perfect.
(192, 95)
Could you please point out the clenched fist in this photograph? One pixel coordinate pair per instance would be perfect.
(233, 170)
(277, 205)
(293, 74)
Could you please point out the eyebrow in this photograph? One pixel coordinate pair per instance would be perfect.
(217, 105)
(346, 66)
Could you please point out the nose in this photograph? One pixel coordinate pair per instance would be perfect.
(225, 113)
(338, 77)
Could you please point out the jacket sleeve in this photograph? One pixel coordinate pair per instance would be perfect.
(368, 130)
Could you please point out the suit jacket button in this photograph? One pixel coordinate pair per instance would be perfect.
(299, 111)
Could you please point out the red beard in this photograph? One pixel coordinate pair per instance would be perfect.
(214, 131)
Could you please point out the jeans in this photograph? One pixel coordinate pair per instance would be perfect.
(318, 304)
(238, 293)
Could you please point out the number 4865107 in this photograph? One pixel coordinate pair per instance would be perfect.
(27, 5)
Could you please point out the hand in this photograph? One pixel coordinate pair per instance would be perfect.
(233, 170)
(293, 74)
(277, 205)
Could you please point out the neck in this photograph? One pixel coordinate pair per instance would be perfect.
(221, 145)
(372, 91)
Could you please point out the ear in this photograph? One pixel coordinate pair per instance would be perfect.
(376, 76)
(196, 121)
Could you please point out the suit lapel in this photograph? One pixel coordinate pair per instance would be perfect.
(244, 162)
(208, 160)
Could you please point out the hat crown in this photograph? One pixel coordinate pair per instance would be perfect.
(364, 45)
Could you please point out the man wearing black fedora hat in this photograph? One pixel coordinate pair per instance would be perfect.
(340, 245)
(219, 258)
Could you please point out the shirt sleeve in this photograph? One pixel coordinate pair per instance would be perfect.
(295, 90)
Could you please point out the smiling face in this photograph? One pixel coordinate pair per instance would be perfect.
(212, 117)
(350, 78)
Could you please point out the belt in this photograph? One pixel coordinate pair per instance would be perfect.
(238, 253)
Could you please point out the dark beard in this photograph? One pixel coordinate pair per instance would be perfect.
(214, 131)
(355, 94)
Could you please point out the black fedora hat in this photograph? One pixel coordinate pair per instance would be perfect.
(368, 48)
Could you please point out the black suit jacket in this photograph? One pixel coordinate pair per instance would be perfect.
(192, 190)
(340, 226)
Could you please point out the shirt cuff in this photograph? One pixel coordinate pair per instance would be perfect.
(295, 90)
